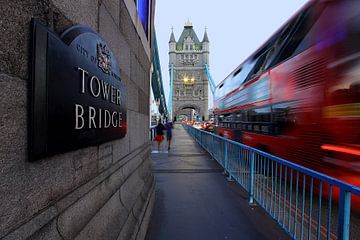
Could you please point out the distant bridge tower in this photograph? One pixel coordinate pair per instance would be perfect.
(188, 61)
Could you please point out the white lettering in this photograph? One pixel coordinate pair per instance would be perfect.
(83, 79)
(92, 114)
(107, 119)
(105, 90)
(99, 117)
(114, 120)
(91, 86)
(118, 100)
(79, 116)
(112, 94)
(120, 119)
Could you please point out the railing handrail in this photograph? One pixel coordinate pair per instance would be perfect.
(320, 176)
(246, 165)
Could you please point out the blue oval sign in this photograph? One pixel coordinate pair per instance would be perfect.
(77, 95)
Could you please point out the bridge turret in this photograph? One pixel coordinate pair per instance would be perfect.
(172, 48)
(205, 47)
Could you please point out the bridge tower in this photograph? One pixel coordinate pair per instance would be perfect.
(188, 60)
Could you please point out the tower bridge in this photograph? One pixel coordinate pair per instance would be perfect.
(77, 160)
(189, 75)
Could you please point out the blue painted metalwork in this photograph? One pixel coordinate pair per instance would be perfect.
(329, 214)
(303, 207)
(310, 207)
(319, 212)
(290, 198)
(284, 206)
(251, 180)
(344, 215)
(156, 80)
(266, 179)
(211, 80)
(171, 89)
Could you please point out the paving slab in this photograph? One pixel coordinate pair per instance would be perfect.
(194, 200)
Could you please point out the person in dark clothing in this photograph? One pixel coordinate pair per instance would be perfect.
(169, 127)
(159, 137)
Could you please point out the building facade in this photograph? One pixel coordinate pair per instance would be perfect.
(99, 191)
(188, 57)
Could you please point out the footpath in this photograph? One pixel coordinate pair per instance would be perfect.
(194, 200)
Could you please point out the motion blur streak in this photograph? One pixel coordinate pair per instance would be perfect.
(340, 149)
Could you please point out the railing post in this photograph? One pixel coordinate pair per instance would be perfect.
(251, 187)
(344, 214)
(212, 146)
(226, 163)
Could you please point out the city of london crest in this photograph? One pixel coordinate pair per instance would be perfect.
(103, 56)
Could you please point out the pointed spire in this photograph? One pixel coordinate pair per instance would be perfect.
(205, 39)
(188, 24)
(172, 37)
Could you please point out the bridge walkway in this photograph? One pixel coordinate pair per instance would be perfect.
(195, 201)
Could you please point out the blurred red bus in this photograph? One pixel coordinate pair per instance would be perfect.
(298, 95)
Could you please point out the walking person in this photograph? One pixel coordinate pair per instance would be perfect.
(169, 126)
(159, 137)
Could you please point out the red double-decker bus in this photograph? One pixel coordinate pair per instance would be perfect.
(298, 95)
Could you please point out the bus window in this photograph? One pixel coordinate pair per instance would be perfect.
(260, 114)
(228, 118)
(338, 23)
(298, 32)
(258, 66)
(263, 57)
(275, 46)
(234, 81)
(238, 78)
(220, 91)
(283, 115)
(240, 116)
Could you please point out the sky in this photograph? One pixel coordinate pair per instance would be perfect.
(236, 28)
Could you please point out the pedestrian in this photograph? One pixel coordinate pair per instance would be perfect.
(169, 127)
(159, 137)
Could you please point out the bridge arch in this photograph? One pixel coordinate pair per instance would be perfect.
(185, 110)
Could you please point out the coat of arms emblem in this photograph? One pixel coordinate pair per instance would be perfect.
(103, 56)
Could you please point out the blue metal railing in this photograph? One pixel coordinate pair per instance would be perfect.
(210, 79)
(305, 203)
(157, 81)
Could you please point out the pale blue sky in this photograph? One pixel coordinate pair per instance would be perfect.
(236, 28)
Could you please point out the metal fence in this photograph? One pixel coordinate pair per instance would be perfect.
(305, 203)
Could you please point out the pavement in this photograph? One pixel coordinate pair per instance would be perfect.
(194, 200)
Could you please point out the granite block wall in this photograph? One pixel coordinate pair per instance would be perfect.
(98, 192)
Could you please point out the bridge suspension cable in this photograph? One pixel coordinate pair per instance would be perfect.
(171, 90)
(211, 80)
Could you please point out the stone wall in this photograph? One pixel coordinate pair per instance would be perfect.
(97, 192)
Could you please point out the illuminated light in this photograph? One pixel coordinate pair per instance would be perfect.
(342, 110)
(188, 81)
(341, 149)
